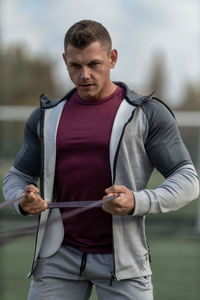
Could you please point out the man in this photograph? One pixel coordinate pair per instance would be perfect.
(100, 140)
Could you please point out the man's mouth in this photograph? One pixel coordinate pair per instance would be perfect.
(86, 84)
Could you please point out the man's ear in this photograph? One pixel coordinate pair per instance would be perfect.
(113, 58)
(64, 58)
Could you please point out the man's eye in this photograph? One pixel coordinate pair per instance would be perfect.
(94, 64)
(75, 66)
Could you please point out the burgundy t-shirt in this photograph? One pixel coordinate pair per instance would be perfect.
(83, 168)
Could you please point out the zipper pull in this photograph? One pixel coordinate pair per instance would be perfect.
(150, 260)
(113, 277)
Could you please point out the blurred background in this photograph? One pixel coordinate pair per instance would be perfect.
(159, 49)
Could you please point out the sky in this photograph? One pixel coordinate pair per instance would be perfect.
(140, 31)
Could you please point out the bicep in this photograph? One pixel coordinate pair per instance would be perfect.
(164, 144)
(28, 157)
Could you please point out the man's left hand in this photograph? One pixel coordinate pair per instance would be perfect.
(124, 202)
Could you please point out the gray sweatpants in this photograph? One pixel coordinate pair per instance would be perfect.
(58, 278)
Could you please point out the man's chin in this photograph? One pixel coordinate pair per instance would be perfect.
(88, 95)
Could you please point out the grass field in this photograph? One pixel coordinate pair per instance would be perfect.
(176, 268)
(175, 251)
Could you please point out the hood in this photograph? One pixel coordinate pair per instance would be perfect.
(131, 96)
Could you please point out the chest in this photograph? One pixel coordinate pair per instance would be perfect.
(85, 126)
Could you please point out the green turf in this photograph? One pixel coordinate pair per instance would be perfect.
(15, 261)
(176, 268)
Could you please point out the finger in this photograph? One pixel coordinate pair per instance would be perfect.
(30, 197)
(31, 188)
(110, 195)
(45, 204)
(115, 189)
(38, 208)
(35, 207)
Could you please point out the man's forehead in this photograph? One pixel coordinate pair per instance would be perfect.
(93, 51)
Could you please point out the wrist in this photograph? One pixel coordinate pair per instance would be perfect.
(131, 211)
(133, 206)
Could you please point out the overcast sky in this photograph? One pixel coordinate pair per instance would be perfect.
(139, 29)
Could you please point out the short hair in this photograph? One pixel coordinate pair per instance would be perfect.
(85, 32)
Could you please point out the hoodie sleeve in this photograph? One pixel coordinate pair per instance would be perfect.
(14, 184)
(28, 157)
(26, 168)
(170, 157)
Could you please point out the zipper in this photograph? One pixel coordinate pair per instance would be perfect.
(113, 277)
(118, 147)
(149, 252)
(41, 179)
(113, 273)
(42, 151)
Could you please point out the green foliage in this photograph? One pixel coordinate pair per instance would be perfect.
(11, 135)
(157, 78)
(191, 97)
(23, 79)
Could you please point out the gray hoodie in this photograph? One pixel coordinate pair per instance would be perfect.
(144, 136)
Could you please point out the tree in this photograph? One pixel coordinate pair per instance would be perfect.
(157, 75)
(191, 99)
(23, 79)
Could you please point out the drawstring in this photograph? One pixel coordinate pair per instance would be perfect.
(83, 263)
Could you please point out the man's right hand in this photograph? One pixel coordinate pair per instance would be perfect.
(31, 202)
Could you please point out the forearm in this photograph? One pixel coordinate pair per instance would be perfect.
(14, 184)
(175, 192)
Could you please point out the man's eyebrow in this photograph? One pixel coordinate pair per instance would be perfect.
(94, 61)
(73, 63)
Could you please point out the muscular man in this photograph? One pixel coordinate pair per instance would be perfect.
(101, 139)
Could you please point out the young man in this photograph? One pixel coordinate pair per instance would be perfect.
(100, 140)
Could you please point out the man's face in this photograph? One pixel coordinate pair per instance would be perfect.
(89, 70)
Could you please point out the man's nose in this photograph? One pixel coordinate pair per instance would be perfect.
(85, 72)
